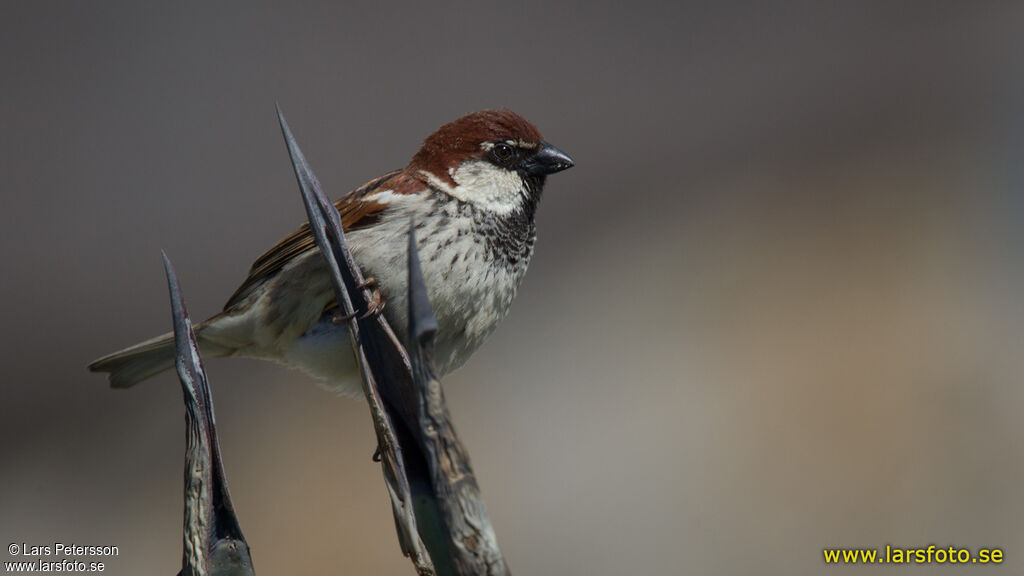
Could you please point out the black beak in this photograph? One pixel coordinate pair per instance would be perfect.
(547, 160)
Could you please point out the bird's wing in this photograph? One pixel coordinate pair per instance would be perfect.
(356, 212)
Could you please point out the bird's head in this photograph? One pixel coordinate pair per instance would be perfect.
(495, 160)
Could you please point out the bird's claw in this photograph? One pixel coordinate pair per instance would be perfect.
(342, 318)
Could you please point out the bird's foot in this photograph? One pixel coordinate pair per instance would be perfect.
(376, 305)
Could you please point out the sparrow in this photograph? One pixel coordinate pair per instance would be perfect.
(472, 191)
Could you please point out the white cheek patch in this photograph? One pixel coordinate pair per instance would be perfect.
(488, 187)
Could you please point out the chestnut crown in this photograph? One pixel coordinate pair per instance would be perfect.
(500, 137)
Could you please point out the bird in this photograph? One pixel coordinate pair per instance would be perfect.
(471, 190)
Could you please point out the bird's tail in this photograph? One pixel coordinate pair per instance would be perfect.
(146, 359)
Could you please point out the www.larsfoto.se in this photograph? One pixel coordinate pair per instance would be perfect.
(898, 555)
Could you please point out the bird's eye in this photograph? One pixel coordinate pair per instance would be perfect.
(501, 151)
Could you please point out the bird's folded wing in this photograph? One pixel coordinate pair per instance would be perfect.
(356, 212)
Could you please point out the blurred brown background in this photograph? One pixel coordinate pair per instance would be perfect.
(776, 307)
